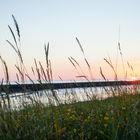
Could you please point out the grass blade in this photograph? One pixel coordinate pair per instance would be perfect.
(47, 54)
(17, 27)
(101, 72)
(13, 34)
(12, 46)
(80, 45)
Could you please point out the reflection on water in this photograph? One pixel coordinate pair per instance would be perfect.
(47, 97)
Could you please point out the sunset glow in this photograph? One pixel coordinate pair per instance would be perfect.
(134, 78)
(97, 24)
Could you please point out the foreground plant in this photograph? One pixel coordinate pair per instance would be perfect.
(114, 118)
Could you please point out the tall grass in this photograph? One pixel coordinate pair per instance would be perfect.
(114, 118)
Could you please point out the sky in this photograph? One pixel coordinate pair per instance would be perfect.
(98, 24)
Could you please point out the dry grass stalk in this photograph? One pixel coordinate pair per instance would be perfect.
(112, 67)
(47, 54)
(48, 63)
(87, 63)
(44, 77)
(6, 73)
(13, 35)
(20, 72)
(80, 46)
(51, 73)
(17, 27)
(121, 54)
(37, 71)
(101, 72)
(16, 48)
(78, 65)
(29, 78)
(73, 63)
(6, 90)
(33, 71)
(132, 71)
(17, 77)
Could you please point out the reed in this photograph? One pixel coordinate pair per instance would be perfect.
(116, 117)
(87, 63)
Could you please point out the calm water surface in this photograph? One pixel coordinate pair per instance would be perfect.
(17, 100)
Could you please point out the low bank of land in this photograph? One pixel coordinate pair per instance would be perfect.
(113, 118)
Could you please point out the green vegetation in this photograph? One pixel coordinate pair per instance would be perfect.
(114, 118)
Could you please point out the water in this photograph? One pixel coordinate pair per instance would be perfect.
(19, 100)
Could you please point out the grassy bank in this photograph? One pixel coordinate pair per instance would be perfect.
(113, 118)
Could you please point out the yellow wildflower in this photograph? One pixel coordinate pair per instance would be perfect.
(106, 118)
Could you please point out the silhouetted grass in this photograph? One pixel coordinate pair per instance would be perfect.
(114, 118)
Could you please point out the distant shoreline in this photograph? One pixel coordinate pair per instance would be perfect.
(12, 88)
